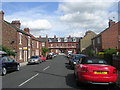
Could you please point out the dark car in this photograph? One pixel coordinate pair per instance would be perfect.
(75, 58)
(49, 56)
(7, 64)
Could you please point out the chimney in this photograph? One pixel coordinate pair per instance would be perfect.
(40, 36)
(46, 36)
(27, 30)
(16, 23)
(1, 15)
(111, 22)
(54, 36)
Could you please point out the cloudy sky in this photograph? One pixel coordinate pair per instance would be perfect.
(62, 18)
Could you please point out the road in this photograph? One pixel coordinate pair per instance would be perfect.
(54, 73)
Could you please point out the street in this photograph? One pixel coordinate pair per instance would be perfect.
(54, 73)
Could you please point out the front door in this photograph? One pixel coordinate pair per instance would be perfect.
(25, 56)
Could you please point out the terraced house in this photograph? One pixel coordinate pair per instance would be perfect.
(108, 38)
(62, 44)
(20, 41)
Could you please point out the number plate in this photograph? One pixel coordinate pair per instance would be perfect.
(100, 72)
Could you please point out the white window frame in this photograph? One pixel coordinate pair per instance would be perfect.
(28, 40)
(20, 38)
(43, 44)
(20, 53)
(98, 40)
(37, 44)
(29, 53)
(118, 37)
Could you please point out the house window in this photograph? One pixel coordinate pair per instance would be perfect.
(37, 52)
(43, 44)
(93, 42)
(119, 37)
(28, 40)
(98, 40)
(20, 53)
(20, 38)
(74, 39)
(51, 45)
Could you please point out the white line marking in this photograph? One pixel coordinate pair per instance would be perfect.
(46, 68)
(29, 79)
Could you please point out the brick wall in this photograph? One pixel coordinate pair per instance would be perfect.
(110, 37)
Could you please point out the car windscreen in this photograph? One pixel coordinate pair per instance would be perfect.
(94, 61)
(77, 57)
(34, 56)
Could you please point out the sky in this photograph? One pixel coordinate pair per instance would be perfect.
(62, 18)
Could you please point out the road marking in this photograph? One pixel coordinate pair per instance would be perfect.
(29, 79)
(46, 68)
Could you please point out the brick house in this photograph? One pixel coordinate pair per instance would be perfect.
(85, 42)
(20, 41)
(109, 38)
(62, 44)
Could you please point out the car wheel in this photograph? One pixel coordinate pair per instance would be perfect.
(18, 68)
(4, 71)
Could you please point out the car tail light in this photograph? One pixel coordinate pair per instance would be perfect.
(84, 69)
(115, 71)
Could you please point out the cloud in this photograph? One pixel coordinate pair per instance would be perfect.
(38, 24)
(70, 18)
(83, 16)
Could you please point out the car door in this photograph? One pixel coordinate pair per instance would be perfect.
(12, 63)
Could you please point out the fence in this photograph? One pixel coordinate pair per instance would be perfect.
(116, 62)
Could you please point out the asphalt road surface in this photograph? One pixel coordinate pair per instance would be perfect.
(54, 73)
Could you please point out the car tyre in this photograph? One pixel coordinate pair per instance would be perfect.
(4, 71)
(18, 68)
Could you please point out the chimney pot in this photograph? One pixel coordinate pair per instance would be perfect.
(27, 30)
(111, 22)
(16, 23)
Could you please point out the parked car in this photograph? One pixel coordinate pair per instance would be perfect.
(95, 71)
(42, 58)
(69, 55)
(49, 56)
(74, 59)
(7, 64)
(54, 54)
(34, 60)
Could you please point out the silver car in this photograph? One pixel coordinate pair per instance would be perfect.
(34, 59)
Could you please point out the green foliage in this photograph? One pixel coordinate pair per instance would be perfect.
(7, 50)
(90, 52)
(110, 51)
(44, 51)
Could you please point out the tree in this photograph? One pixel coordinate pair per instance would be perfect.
(110, 51)
(44, 51)
(7, 50)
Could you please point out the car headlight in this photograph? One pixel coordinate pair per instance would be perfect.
(74, 62)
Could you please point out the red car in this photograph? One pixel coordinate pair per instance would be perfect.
(42, 58)
(95, 71)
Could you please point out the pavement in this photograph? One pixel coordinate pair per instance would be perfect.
(118, 80)
(54, 73)
(23, 64)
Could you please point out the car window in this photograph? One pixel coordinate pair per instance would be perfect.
(94, 61)
(4, 59)
(34, 56)
(10, 60)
